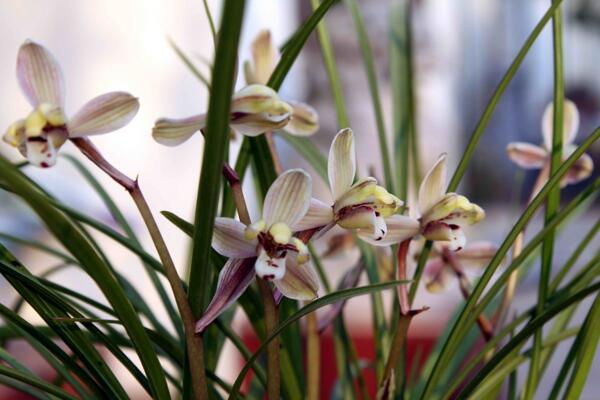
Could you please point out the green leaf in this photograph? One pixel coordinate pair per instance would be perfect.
(122, 221)
(313, 306)
(189, 63)
(35, 381)
(82, 250)
(368, 57)
(216, 138)
(532, 326)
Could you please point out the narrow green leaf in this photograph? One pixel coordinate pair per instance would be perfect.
(81, 249)
(36, 382)
(368, 57)
(310, 307)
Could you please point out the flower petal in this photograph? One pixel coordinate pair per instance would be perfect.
(269, 268)
(234, 279)
(173, 132)
(300, 281)
(304, 120)
(40, 75)
(454, 209)
(580, 170)
(453, 234)
(527, 155)
(432, 187)
(229, 241)
(399, 228)
(437, 275)
(103, 114)
(570, 123)
(259, 123)
(318, 214)
(264, 55)
(288, 198)
(477, 254)
(341, 166)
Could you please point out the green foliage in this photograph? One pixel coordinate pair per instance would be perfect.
(76, 331)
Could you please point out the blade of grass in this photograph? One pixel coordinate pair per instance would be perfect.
(313, 306)
(553, 201)
(368, 57)
(35, 382)
(66, 232)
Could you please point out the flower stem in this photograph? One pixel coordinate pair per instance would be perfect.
(313, 361)
(274, 153)
(406, 315)
(193, 342)
(485, 326)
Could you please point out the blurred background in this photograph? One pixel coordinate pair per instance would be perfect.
(462, 48)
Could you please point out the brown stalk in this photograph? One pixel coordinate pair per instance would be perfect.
(485, 326)
(194, 343)
(406, 315)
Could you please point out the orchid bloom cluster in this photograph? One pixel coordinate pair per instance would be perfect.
(269, 249)
(255, 109)
(40, 135)
(530, 156)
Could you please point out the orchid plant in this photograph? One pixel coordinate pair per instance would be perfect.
(271, 267)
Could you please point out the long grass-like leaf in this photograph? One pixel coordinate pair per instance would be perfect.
(311, 307)
(81, 249)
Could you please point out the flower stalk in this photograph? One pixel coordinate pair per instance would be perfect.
(194, 343)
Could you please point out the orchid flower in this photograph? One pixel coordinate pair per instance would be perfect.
(41, 134)
(530, 156)
(304, 120)
(266, 248)
(442, 214)
(363, 206)
(254, 110)
(438, 271)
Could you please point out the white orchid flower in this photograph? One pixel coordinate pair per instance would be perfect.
(439, 272)
(530, 156)
(255, 109)
(364, 206)
(266, 248)
(40, 135)
(442, 214)
(304, 120)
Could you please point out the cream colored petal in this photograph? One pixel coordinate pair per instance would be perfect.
(40, 75)
(288, 198)
(477, 254)
(103, 114)
(264, 57)
(229, 240)
(360, 193)
(580, 170)
(300, 281)
(172, 132)
(341, 166)
(570, 123)
(269, 268)
(318, 214)
(527, 155)
(432, 187)
(399, 228)
(454, 209)
(15, 134)
(259, 123)
(256, 99)
(452, 234)
(234, 278)
(304, 120)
